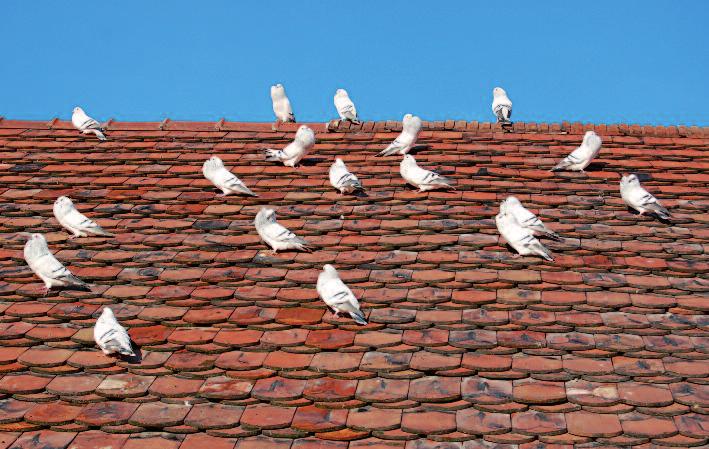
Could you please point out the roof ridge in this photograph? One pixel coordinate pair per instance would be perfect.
(222, 125)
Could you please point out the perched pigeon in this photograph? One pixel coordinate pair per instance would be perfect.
(342, 179)
(214, 170)
(525, 218)
(294, 151)
(579, 159)
(519, 238)
(640, 199)
(337, 295)
(275, 235)
(501, 106)
(110, 336)
(422, 178)
(407, 139)
(345, 107)
(86, 124)
(281, 105)
(47, 267)
(74, 221)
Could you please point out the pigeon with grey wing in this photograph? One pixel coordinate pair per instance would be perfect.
(579, 159)
(345, 107)
(294, 151)
(526, 218)
(501, 106)
(520, 238)
(275, 235)
(337, 295)
(407, 139)
(281, 105)
(422, 178)
(110, 336)
(74, 221)
(342, 179)
(47, 267)
(86, 124)
(640, 199)
(214, 170)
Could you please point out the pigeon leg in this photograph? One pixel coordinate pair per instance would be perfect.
(274, 127)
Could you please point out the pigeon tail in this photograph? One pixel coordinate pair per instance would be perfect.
(99, 134)
(273, 155)
(359, 318)
(660, 211)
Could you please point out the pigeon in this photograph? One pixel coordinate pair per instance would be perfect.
(74, 221)
(110, 336)
(520, 238)
(86, 124)
(342, 179)
(501, 106)
(337, 295)
(214, 170)
(525, 218)
(640, 199)
(281, 105)
(47, 267)
(407, 139)
(345, 107)
(579, 159)
(296, 150)
(275, 235)
(422, 178)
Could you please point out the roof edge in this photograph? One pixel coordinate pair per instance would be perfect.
(382, 126)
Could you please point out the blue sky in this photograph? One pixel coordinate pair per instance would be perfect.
(604, 61)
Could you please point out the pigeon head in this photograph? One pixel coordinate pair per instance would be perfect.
(268, 214)
(63, 203)
(407, 117)
(277, 90)
(590, 138)
(305, 135)
(630, 179)
(512, 201)
(107, 312)
(409, 159)
(329, 269)
(341, 93)
(339, 161)
(499, 92)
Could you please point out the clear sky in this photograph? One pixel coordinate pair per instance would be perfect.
(603, 61)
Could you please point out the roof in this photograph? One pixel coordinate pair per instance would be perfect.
(467, 347)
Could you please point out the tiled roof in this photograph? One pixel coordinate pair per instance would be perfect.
(467, 347)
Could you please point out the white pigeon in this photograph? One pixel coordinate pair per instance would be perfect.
(579, 159)
(342, 179)
(275, 235)
(281, 104)
(408, 137)
(501, 106)
(640, 199)
(337, 295)
(47, 267)
(422, 178)
(520, 238)
(294, 151)
(525, 218)
(86, 124)
(110, 336)
(214, 170)
(74, 221)
(345, 106)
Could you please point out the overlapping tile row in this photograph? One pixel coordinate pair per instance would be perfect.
(467, 346)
